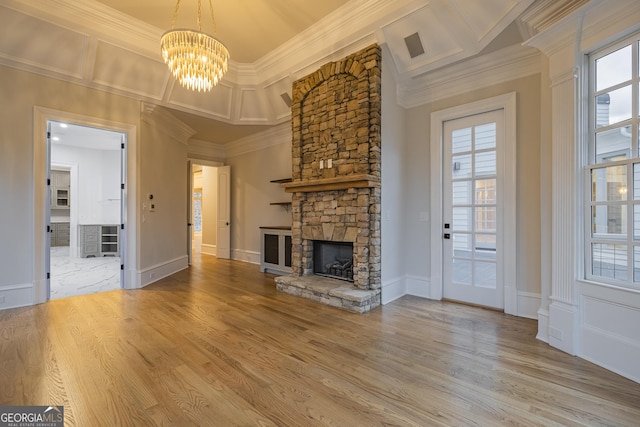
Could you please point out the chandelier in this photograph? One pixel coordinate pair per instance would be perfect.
(197, 60)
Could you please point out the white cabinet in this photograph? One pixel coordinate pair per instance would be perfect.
(275, 251)
(60, 189)
(99, 240)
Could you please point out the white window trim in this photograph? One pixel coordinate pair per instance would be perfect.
(590, 164)
(506, 102)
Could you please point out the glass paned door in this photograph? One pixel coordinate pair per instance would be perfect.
(471, 209)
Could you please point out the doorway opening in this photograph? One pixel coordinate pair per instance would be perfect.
(209, 209)
(85, 209)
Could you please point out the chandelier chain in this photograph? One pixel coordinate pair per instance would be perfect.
(199, 16)
(199, 20)
(175, 15)
(213, 20)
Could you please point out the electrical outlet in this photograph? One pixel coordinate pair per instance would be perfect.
(330, 163)
(321, 164)
(152, 207)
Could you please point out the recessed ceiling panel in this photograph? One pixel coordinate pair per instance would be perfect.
(216, 103)
(437, 40)
(129, 71)
(38, 43)
(483, 16)
(251, 106)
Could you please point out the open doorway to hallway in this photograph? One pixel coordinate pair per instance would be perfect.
(85, 209)
(209, 209)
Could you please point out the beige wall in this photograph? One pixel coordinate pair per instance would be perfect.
(20, 92)
(251, 193)
(528, 168)
(394, 194)
(163, 172)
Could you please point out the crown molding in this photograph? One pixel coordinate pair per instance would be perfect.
(277, 135)
(206, 150)
(497, 67)
(162, 120)
(331, 36)
(544, 13)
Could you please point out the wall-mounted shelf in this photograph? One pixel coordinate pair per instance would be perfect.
(286, 205)
(281, 181)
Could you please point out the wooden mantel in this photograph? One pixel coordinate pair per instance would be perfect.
(330, 184)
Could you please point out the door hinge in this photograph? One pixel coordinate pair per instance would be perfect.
(48, 229)
(122, 186)
(121, 266)
(122, 145)
(48, 135)
(121, 226)
(48, 181)
(48, 275)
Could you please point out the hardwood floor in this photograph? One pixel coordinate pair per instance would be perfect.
(215, 345)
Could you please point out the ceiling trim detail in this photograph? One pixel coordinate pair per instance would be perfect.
(118, 47)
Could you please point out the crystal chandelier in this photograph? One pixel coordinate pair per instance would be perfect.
(197, 60)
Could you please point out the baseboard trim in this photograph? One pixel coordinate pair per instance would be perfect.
(393, 289)
(14, 296)
(543, 325)
(160, 271)
(528, 305)
(209, 249)
(418, 286)
(245, 256)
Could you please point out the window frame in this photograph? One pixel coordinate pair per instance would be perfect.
(630, 238)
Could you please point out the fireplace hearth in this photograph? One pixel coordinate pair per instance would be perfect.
(333, 259)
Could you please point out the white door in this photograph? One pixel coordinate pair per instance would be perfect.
(471, 230)
(223, 244)
(189, 210)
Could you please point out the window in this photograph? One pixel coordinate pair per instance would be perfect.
(613, 225)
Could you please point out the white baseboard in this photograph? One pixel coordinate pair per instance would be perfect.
(543, 325)
(418, 286)
(208, 249)
(14, 296)
(562, 326)
(160, 271)
(393, 289)
(246, 256)
(608, 332)
(528, 305)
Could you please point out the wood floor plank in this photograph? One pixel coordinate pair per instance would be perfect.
(216, 344)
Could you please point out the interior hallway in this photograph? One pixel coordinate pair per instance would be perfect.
(215, 344)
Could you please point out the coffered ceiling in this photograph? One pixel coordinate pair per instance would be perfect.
(114, 45)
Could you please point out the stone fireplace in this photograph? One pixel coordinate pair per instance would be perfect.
(336, 179)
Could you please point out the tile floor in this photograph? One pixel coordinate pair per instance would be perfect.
(81, 276)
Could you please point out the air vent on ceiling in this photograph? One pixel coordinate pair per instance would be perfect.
(414, 45)
(286, 98)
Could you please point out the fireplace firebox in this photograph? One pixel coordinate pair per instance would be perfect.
(333, 259)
